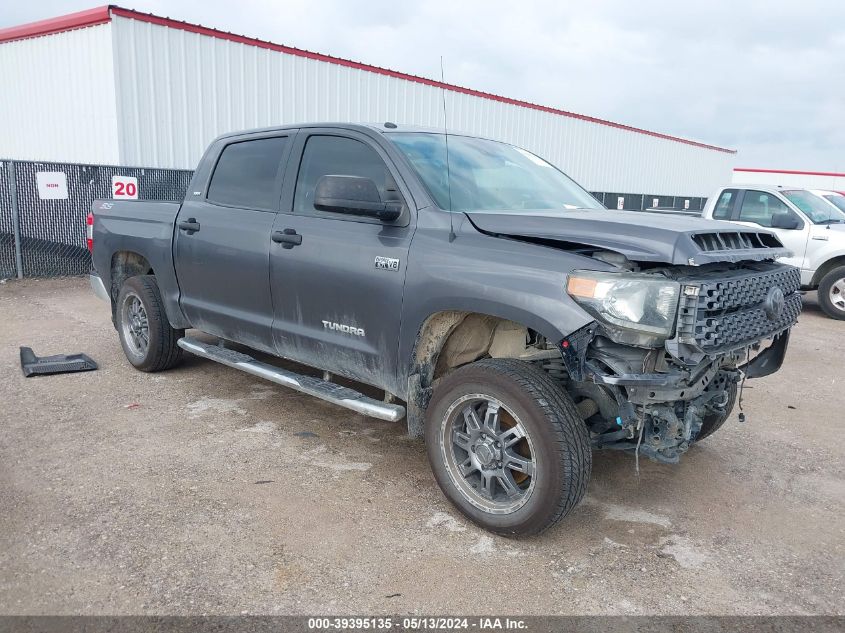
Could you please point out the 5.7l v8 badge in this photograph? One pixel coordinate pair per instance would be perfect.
(387, 263)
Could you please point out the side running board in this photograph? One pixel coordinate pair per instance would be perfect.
(328, 391)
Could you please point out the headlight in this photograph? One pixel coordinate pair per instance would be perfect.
(645, 303)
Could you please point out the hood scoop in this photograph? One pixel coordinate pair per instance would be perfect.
(731, 241)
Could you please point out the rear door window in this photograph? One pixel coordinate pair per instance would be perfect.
(249, 173)
(725, 205)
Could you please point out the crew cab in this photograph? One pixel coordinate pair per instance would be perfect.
(808, 223)
(509, 318)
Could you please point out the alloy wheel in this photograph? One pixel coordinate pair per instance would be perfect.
(836, 294)
(488, 454)
(135, 325)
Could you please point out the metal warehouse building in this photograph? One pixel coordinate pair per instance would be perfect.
(119, 87)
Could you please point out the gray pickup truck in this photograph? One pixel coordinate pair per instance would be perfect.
(514, 322)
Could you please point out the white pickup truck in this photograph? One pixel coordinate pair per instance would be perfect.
(809, 225)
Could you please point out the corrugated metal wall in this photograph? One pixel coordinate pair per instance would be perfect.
(135, 93)
(176, 90)
(58, 97)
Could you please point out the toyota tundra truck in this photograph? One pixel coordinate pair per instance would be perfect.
(512, 321)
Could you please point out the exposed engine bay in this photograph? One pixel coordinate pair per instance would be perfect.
(645, 401)
(655, 393)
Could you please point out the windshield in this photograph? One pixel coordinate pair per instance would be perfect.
(836, 198)
(815, 207)
(489, 176)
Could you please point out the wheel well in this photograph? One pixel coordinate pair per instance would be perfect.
(825, 268)
(126, 264)
(448, 340)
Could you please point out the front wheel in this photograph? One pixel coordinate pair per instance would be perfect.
(714, 421)
(832, 293)
(507, 446)
(148, 340)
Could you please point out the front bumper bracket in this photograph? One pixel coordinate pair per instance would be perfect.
(769, 360)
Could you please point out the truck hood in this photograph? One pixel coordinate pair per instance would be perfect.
(640, 236)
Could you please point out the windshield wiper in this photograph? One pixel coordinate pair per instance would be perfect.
(831, 221)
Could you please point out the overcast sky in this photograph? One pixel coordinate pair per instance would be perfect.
(765, 78)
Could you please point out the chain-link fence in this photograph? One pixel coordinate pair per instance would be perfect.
(8, 260)
(644, 201)
(43, 208)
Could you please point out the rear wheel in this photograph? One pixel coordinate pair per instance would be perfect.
(507, 446)
(832, 293)
(145, 333)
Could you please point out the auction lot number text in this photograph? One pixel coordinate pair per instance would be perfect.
(412, 623)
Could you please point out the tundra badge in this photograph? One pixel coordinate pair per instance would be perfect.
(346, 329)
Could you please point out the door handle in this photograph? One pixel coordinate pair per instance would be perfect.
(287, 238)
(191, 226)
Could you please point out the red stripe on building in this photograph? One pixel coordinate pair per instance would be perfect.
(790, 171)
(69, 22)
(101, 14)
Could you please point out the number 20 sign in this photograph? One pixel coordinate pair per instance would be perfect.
(125, 187)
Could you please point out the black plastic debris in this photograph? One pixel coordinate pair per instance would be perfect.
(32, 365)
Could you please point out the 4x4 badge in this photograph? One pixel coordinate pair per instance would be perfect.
(387, 263)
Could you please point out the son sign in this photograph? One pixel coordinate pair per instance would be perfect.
(52, 185)
(124, 188)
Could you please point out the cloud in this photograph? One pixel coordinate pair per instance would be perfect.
(766, 78)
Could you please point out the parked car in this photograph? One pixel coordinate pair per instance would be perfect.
(837, 198)
(511, 320)
(810, 226)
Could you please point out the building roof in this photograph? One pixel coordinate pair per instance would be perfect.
(105, 13)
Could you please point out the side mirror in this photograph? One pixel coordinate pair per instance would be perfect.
(353, 195)
(787, 221)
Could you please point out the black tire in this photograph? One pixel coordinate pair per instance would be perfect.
(559, 444)
(714, 421)
(832, 288)
(161, 351)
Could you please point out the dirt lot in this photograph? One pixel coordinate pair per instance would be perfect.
(203, 490)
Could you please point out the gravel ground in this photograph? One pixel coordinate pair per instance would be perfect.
(204, 490)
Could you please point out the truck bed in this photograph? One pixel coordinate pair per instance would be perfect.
(144, 227)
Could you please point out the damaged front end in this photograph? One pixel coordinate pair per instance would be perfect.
(661, 363)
